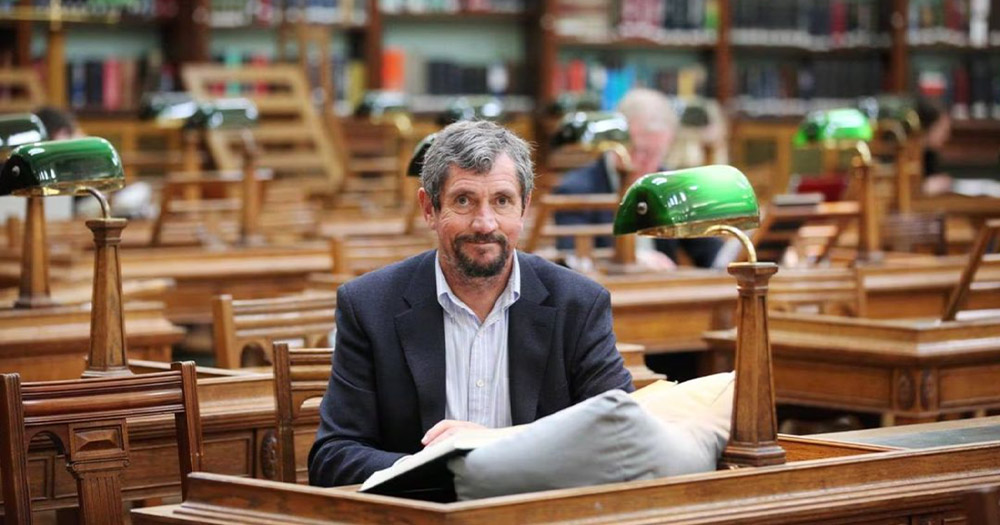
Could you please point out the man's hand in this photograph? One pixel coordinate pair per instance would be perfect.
(445, 429)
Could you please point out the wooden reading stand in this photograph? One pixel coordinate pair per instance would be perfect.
(904, 370)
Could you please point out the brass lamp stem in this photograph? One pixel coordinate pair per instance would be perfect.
(105, 208)
(736, 232)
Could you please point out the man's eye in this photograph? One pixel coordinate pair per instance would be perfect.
(503, 201)
(462, 200)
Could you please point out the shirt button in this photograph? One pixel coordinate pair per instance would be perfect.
(480, 383)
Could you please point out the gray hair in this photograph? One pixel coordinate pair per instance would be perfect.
(474, 145)
(648, 108)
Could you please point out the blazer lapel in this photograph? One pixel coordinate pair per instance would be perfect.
(529, 336)
(421, 334)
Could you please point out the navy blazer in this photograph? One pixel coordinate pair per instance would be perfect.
(387, 387)
(593, 178)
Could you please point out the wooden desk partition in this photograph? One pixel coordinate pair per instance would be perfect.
(843, 483)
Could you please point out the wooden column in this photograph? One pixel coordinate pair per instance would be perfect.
(190, 161)
(373, 46)
(34, 289)
(898, 56)
(107, 317)
(250, 210)
(55, 57)
(869, 246)
(754, 438)
(724, 56)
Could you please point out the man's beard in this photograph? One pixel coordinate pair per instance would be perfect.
(471, 268)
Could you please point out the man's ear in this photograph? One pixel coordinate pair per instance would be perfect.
(527, 203)
(426, 206)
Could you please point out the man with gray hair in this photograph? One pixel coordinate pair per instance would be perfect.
(652, 125)
(473, 334)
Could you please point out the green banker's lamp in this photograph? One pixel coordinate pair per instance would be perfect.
(480, 107)
(847, 130)
(711, 201)
(600, 132)
(898, 128)
(231, 115)
(74, 167)
(567, 103)
(33, 291)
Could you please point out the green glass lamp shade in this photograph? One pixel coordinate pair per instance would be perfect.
(62, 167)
(902, 109)
(18, 129)
(224, 113)
(376, 104)
(419, 153)
(833, 125)
(692, 113)
(686, 203)
(567, 103)
(591, 128)
(168, 107)
(473, 108)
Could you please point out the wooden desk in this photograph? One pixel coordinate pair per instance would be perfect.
(199, 274)
(237, 411)
(52, 343)
(905, 370)
(824, 482)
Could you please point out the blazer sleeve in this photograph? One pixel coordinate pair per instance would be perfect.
(347, 447)
(597, 366)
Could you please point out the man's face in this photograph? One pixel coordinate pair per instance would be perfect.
(480, 219)
(648, 148)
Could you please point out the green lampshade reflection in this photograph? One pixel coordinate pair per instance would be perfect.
(168, 108)
(833, 125)
(692, 113)
(376, 104)
(473, 108)
(18, 129)
(685, 203)
(589, 129)
(894, 108)
(419, 153)
(62, 167)
(224, 113)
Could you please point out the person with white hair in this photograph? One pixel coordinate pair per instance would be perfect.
(653, 124)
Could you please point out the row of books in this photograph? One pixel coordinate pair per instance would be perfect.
(612, 81)
(114, 84)
(955, 22)
(451, 6)
(970, 88)
(122, 8)
(828, 78)
(415, 74)
(811, 24)
(241, 13)
(666, 21)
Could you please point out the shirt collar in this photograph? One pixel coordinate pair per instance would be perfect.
(449, 301)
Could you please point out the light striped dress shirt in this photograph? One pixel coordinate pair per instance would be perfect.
(477, 388)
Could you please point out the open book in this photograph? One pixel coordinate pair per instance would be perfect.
(419, 471)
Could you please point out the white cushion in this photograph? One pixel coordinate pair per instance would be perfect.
(606, 439)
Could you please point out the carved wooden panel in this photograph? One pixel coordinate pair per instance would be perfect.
(832, 384)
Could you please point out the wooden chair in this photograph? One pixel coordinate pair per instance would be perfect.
(355, 255)
(25, 90)
(969, 288)
(290, 133)
(584, 235)
(300, 374)
(244, 330)
(87, 420)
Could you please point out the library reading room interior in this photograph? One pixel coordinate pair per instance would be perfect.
(500, 261)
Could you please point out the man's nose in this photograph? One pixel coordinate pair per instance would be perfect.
(485, 220)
